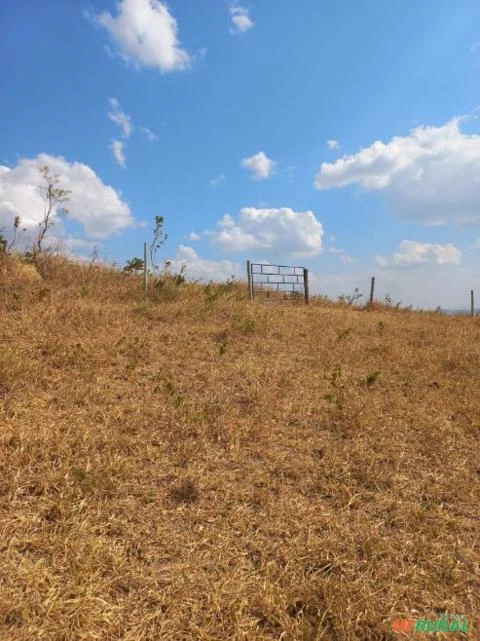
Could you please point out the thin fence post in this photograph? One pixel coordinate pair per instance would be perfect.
(472, 303)
(249, 276)
(305, 285)
(145, 276)
(372, 289)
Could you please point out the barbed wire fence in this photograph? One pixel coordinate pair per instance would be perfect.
(118, 254)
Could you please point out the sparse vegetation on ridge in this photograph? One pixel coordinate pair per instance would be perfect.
(196, 466)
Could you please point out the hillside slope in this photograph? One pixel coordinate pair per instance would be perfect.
(200, 467)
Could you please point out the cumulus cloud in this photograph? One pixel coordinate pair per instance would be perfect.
(241, 21)
(333, 144)
(431, 176)
(146, 34)
(193, 236)
(120, 118)
(203, 269)
(117, 148)
(412, 254)
(279, 231)
(96, 206)
(260, 164)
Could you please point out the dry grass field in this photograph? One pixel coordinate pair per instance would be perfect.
(200, 468)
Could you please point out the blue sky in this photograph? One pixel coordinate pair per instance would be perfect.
(343, 136)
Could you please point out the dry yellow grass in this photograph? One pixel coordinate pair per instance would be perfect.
(198, 467)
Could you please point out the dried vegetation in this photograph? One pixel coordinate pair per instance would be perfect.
(196, 467)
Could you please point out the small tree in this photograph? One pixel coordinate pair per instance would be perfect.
(159, 237)
(350, 299)
(133, 265)
(53, 197)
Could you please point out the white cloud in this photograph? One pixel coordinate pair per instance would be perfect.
(193, 236)
(146, 34)
(120, 118)
(333, 144)
(280, 231)
(96, 206)
(431, 176)
(338, 251)
(218, 180)
(124, 121)
(150, 135)
(117, 148)
(260, 164)
(71, 243)
(241, 20)
(412, 254)
(203, 269)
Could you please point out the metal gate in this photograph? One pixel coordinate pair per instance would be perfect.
(272, 283)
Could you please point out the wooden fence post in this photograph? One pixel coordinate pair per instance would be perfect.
(372, 289)
(249, 277)
(472, 303)
(145, 276)
(305, 284)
